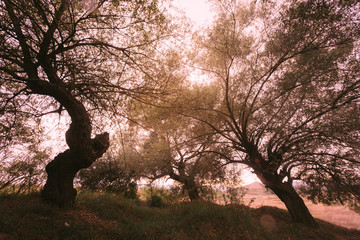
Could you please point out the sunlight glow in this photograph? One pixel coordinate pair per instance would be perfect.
(197, 10)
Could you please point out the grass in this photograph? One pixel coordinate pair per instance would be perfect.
(108, 216)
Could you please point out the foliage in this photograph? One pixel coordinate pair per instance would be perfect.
(177, 146)
(234, 195)
(22, 156)
(172, 195)
(82, 57)
(23, 173)
(131, 192)
(82, 34)
(155, 201)
(108, 175)
(281, 98)
(319, 190)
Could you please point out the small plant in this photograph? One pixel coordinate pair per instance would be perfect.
(110, 176)
(174, 194)
(131, 192)
(234, 195)
(156, 201)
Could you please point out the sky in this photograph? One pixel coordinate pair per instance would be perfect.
(198, 11)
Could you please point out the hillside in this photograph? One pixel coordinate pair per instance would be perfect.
(256, 188)
(106, 216)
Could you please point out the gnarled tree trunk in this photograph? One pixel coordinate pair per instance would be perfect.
(59, 185)
(62, 170)
(82, 152)
(42, 73)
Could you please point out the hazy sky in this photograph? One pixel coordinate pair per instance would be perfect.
(197, 10)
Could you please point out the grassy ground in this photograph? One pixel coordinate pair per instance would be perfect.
(107, 216)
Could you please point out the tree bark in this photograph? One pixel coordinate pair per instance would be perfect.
(189, 184)
(59, 185)
(295, 205)
(280, 183)
(82, 152)
(58, 188)
(288, 195)
(192, 191)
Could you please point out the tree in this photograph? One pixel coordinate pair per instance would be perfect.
(288, 80)
(179, 147)
(61, 55)
(190, 162)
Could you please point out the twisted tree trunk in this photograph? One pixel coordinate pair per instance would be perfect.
(62, 170)
(82, 152)
(42, 77)
(189, 184)
(59, 185)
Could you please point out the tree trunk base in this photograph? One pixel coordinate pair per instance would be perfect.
(61, 171)
(59, 188)
(295, 205)
(193, 193)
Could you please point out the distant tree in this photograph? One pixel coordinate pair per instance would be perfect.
(181, 148)
(288, 84)
(22, 156)
(76, 56)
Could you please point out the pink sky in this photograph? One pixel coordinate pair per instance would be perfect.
(197, 10)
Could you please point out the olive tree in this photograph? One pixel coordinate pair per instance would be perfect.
(78, 56)
(179, 147)
(288, 85)
(183, 157)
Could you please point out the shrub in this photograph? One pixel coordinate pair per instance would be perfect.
(22, 176)
(109, 176)
(234, 195)
(170, 195)
(131, 192)
(155, 201)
